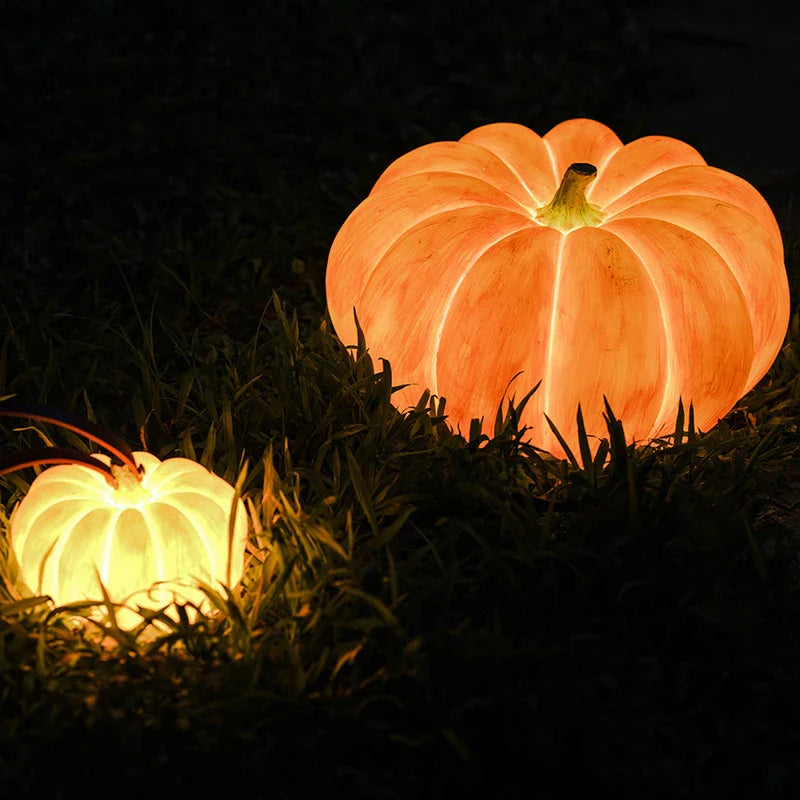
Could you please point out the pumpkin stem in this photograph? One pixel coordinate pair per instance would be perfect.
(569, 207)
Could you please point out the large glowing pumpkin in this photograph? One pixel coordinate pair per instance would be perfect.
(632, 271)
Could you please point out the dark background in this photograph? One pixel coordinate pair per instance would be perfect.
(187, 158)
(146, 138)
(738, 68)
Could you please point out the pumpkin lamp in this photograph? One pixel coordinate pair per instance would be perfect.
(635, 272)
(148, 529)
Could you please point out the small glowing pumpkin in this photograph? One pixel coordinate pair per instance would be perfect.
(169, 525)
(635, 272)
(148, 529)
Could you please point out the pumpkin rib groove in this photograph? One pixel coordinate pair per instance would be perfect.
(58, 543)
(516, 144)
(610, 202)
(157, 543)
(665, 147)
(62, 542)
(473, 160)
(390, 243)
(485, 182)
(746, 267)
(20, 540)
(666, 325)
(556, 176)
(674, 197)
(421, 222)
(46, 568)
(108, 549)
(600, 166)
(732, 283)
(734, 190)
(51, 575)
(162, 534)
(195, 520)
(631, 189)
(677, 198)
(374, 273)
(548, 368)
(166, 476)
(581, 140)
(522, 182)
(451, 299)
(86, 493)
(400, 200)
(722, 257)
(20, 547)
(488, 206)
(58, 479)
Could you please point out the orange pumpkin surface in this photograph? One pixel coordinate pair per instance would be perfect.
(644, 275)
(171, 527)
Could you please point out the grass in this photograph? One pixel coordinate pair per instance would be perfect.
(422, 611)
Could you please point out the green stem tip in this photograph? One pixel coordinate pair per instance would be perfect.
(569, 207)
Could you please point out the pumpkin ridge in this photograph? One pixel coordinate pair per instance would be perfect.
(62, 544)
(459, 191)
(548, 364)
(581, 139)
(522, 182)
(64, 475)
(465, 159)
(632, 210)
(161, 479)
(741, 389)
(47, 488)
(484, 181)
(451, 299)
(156, 542)
(613, 215)
(525, 222)
(689, 230)
(601, 165)
(652, 163)
(50, 574)
(733, 185)
(108, 549)
(666, 327)
(742, 272)
(46, 566)
(518, 145)
(195, 520)
(20, 541)
(556, 176)
(390, 243)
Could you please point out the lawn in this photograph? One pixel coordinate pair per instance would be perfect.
(422, 610)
